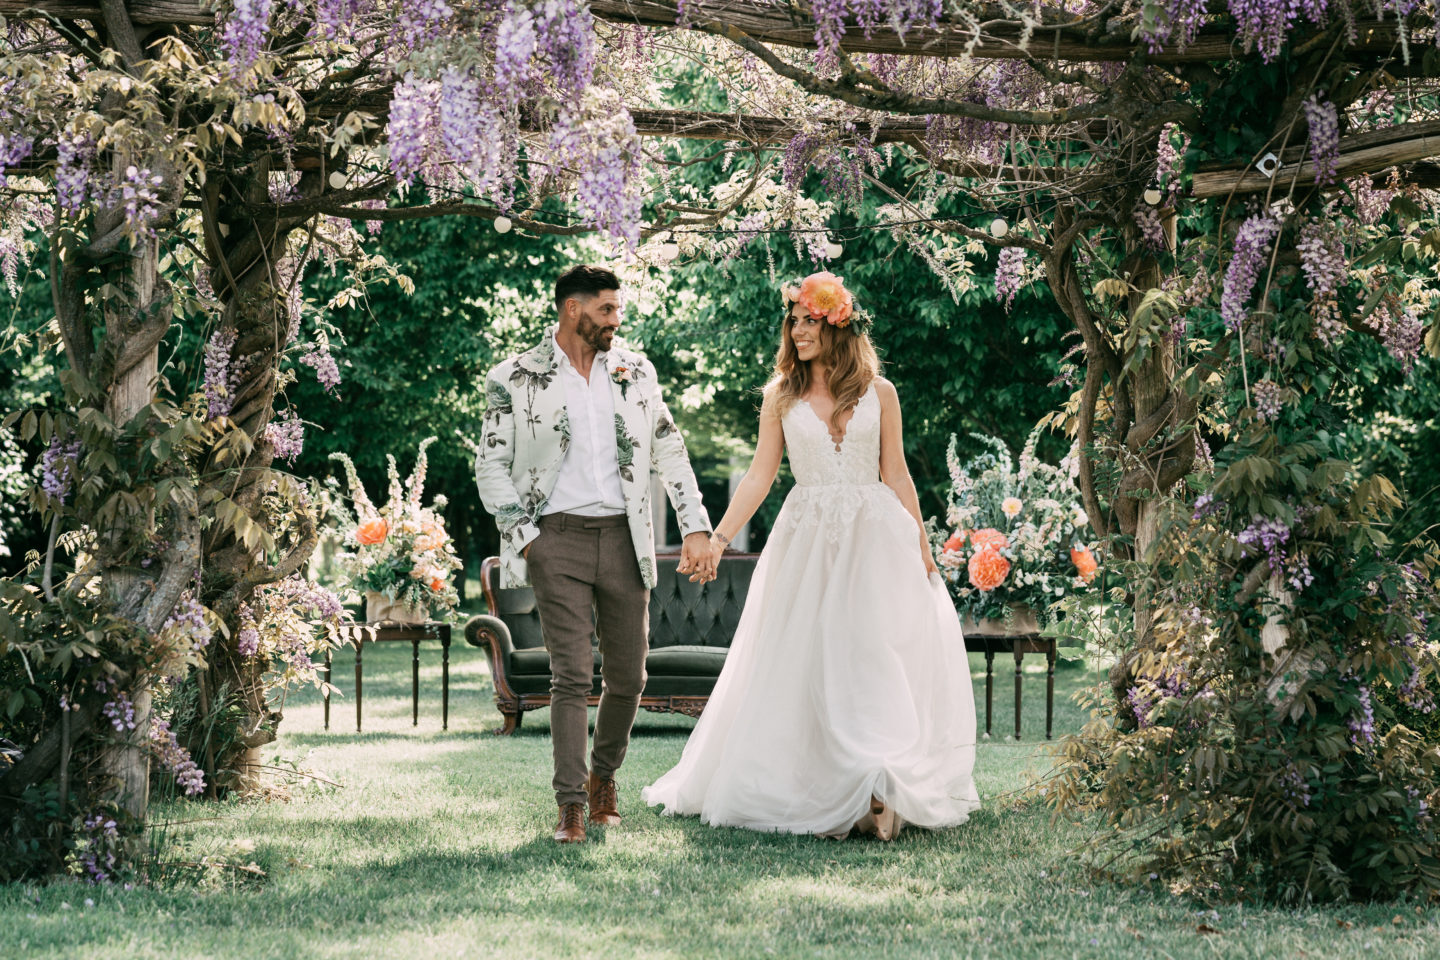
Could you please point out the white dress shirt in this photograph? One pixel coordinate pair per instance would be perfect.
(589, 480)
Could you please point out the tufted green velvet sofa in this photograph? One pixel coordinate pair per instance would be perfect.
(690, 631)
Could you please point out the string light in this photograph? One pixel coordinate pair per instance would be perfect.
(833, 250)
(503, 224)
(1152, 197)
(999, 228)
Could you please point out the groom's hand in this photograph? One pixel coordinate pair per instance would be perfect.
(695, 558)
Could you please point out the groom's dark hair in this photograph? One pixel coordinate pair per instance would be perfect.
(585, 281)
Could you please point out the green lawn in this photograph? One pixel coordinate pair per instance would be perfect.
(436, 844)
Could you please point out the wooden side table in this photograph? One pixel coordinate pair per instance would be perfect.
(383, 631)
(1019, 644)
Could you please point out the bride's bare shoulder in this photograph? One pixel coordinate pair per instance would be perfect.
(886, 391)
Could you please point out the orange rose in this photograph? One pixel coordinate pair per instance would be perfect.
(1085, 563)
(956, 543)
(989, 537)
(437, 585)
(988, 569)
(372, 531)
(824, 294)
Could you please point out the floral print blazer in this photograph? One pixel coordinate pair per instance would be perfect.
(527, 431)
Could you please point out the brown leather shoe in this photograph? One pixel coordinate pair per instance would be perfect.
(571, 828)
(604, 805)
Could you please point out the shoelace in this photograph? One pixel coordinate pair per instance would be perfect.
(605, 796)
(572, 815)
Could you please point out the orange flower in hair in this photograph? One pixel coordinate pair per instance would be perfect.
(1085, 562)
(988, 569)
(824, 295)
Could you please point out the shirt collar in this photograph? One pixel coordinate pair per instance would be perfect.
(563, 359)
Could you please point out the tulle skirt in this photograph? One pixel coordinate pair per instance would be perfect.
(847, 678)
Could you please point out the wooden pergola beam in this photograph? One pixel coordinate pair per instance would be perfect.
(1368, 152)
(775, 23)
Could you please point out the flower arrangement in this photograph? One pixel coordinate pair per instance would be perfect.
(400, 550)
(1016, 535)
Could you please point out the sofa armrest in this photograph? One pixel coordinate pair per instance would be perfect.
(490, 633)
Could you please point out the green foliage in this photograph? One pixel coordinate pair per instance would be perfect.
(413, 364)
(959, 367)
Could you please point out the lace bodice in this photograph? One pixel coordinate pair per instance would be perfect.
(817, 460)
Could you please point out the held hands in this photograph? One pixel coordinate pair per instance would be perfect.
(698, 559)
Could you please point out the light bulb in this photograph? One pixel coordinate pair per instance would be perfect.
(998, 228)
(1152, 197)
(337, 179)
(503, 224)
(669, 250)
(833, 250)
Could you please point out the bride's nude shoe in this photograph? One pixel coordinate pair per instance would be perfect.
(882, 820)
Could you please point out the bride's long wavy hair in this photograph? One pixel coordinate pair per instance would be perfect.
(849, 357)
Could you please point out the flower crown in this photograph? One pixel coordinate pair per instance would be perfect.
(824, 295)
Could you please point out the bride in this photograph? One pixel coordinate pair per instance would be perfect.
(845, 700)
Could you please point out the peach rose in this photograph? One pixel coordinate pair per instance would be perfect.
(1085, 562)
(956, 543)
(988, 537)
(824, 294)
(372, 531)
(429, 541)
(437, 585)
(988, 569)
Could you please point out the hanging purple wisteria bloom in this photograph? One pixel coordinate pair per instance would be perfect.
(72, 174)
(412, 120)
(421, 21)
(57, 468)
(566, 31)
(139, 194)
(1266, 395)
(245, 31)
(219, 378)
(515, 43)
(1009, 274)
(1252, 246)
(327, 371)
(1324, 138)
(175, 758)
(286, 434)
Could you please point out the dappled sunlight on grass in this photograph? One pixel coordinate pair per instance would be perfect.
(436, 844)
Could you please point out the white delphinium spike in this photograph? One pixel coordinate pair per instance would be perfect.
(396, 500)
(417, 478)
(357, 490)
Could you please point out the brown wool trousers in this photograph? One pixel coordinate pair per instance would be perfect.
(579, 565)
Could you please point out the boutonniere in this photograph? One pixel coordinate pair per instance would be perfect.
(624, 376)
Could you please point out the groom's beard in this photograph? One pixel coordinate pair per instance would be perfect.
(596, 336)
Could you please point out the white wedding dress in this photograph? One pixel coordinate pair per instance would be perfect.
(847, 676)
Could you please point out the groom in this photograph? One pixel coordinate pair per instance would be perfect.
(573, 429)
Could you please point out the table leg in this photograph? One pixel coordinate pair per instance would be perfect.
(445, 679)
(1049, 690)
(359, 678)
(989, 683)
(415, 683)
(1019, 659)
(327, 688)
